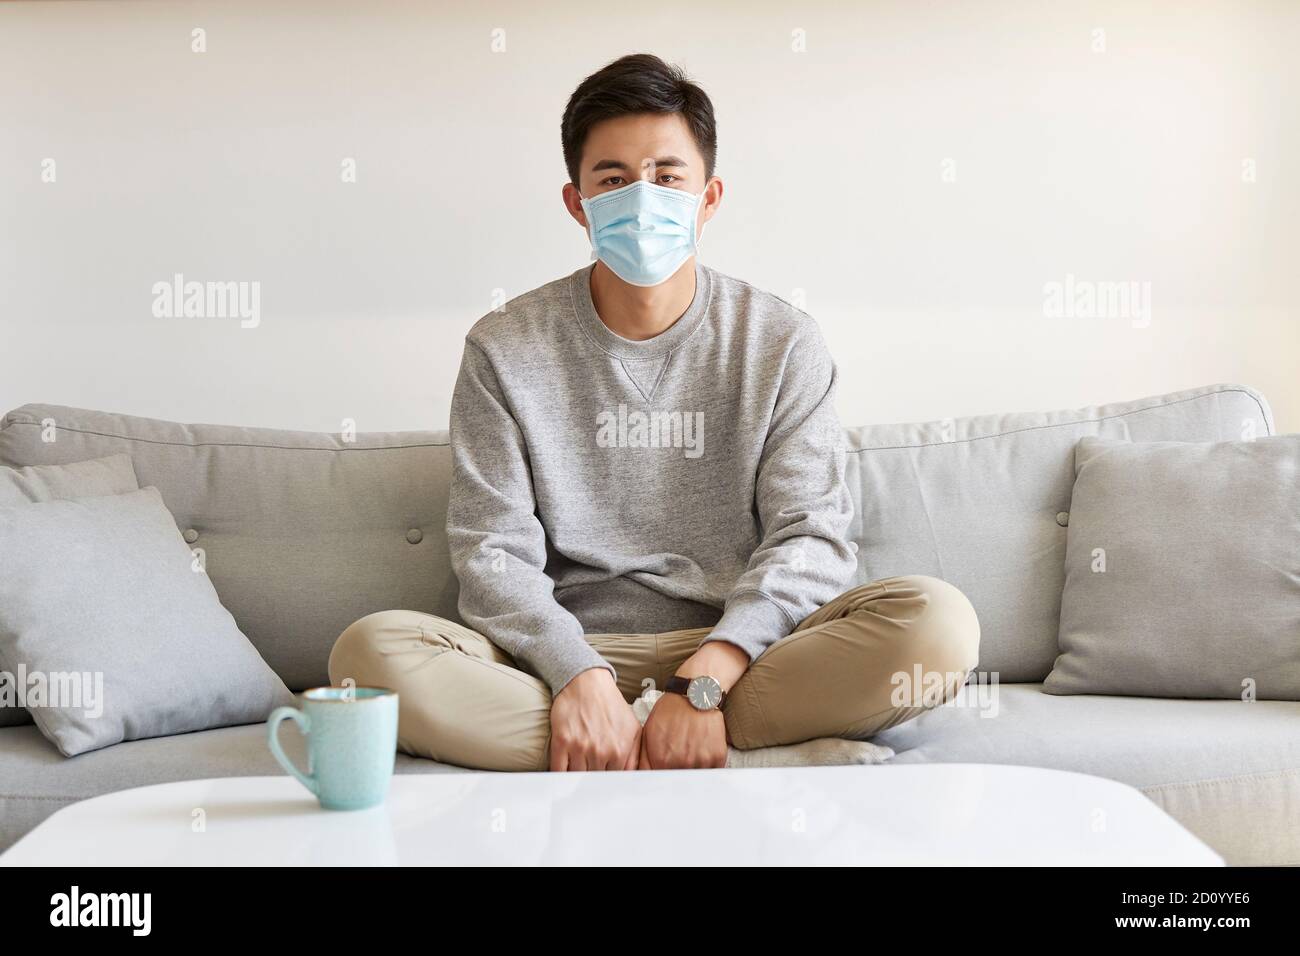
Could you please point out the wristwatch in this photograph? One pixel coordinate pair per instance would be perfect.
(704, 692)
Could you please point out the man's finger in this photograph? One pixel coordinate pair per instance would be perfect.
(633, 753)
(643, 759)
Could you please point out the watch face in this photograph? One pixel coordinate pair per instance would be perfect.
(704, 693)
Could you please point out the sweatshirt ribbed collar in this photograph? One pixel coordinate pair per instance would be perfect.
(661, 344)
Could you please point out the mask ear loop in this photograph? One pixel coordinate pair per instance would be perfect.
(699, 204)
(590, 238)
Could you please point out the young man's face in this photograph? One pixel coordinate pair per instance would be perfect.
(657, 147)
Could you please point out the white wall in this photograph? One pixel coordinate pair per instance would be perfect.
(1110, 166)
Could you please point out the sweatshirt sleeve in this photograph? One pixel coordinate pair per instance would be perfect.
(497, 543)
(804, 558)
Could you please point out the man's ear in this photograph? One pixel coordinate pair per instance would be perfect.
(712, 199)
(573, 203)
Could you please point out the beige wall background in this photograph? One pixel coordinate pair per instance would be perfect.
(915, 173)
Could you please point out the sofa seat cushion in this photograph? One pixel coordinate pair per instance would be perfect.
(36, 780)
(1228, 771)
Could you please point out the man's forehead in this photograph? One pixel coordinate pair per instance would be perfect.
(636, 138)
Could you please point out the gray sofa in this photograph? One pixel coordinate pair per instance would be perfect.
(304, 533)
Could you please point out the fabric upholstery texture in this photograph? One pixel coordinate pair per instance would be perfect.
(111, 475)
(1182, 570)
(984, 502)
(302, 532)
(100, 597)
(305, 533)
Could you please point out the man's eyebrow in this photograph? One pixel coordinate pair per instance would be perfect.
(662, 161)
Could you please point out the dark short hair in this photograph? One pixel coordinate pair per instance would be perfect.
(637, 83)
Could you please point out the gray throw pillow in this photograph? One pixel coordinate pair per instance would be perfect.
(1182, 570)
(102, 604)
(112, 475)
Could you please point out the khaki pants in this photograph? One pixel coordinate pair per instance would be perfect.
(874, 657)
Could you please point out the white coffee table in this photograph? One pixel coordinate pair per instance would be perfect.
(882, 815)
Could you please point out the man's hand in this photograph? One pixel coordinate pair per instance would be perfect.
(676, 735)
(592, 726)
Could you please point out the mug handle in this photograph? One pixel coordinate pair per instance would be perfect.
(279, 715)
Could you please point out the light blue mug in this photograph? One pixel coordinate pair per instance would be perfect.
(351, 744)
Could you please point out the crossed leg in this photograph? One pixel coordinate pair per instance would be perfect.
(874, 657)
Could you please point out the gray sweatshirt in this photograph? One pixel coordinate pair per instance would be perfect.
(604, 485)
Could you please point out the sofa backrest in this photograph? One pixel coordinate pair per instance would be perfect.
(302, 533)
(984, 502)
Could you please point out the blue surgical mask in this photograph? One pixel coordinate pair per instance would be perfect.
(643, 231)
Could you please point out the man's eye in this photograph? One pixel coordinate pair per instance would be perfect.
(669, 178)
(611, 180)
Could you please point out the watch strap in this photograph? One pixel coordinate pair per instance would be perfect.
(677, 685)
